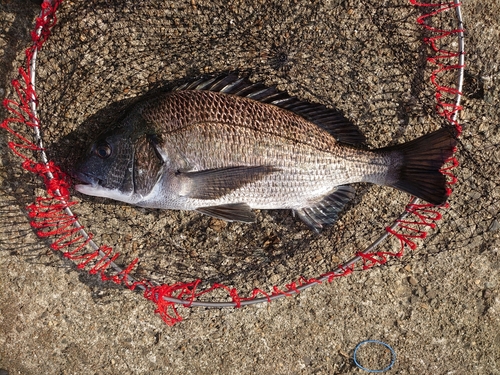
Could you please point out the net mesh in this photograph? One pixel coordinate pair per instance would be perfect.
(391, 68)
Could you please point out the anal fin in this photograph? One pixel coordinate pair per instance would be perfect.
(230, 212)
(326, 211)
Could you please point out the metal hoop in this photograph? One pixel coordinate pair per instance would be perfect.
(338, 271)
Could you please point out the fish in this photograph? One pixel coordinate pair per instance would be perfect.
(224, 146)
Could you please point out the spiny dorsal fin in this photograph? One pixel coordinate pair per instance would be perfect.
(331, 120)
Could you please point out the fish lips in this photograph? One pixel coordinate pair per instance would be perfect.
(88, 183)
(86, 178)
(92, 187)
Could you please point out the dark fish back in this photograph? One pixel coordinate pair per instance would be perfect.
(331, 120)
(233, 100)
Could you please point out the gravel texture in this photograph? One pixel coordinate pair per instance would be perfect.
(438, 306)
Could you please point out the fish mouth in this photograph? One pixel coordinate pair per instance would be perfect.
(85, 180)
(89, 185)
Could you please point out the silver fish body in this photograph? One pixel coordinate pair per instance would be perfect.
(224, 146)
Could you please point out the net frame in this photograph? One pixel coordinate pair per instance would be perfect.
(51, 215)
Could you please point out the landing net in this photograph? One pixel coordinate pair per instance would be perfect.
(396, 70)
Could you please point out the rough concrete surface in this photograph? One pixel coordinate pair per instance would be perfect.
(438, 306)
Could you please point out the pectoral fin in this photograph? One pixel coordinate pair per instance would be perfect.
(327, 210)
(215, 183)
(230, 212)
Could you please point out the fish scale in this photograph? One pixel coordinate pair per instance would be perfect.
(185, 108)
(224, 146)
(308, 165)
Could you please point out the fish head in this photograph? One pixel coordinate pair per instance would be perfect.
(107, 168)
(123, 164)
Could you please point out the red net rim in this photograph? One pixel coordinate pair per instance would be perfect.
(51, 216)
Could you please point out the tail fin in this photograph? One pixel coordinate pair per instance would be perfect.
(420, 161)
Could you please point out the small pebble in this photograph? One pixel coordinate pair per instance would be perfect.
(412, 280)
(218, 225)
(431, 294)
(494, 226)
(424, 306)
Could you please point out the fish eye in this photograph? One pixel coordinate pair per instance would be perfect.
(103, 150)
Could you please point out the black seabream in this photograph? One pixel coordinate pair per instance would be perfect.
(223, 146)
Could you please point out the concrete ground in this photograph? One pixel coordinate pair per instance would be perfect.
(438, 306)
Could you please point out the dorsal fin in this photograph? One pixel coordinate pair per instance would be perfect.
(331, 120)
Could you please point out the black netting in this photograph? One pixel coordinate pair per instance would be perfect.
(364, 58)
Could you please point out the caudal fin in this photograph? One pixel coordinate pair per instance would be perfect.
(418, 172)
